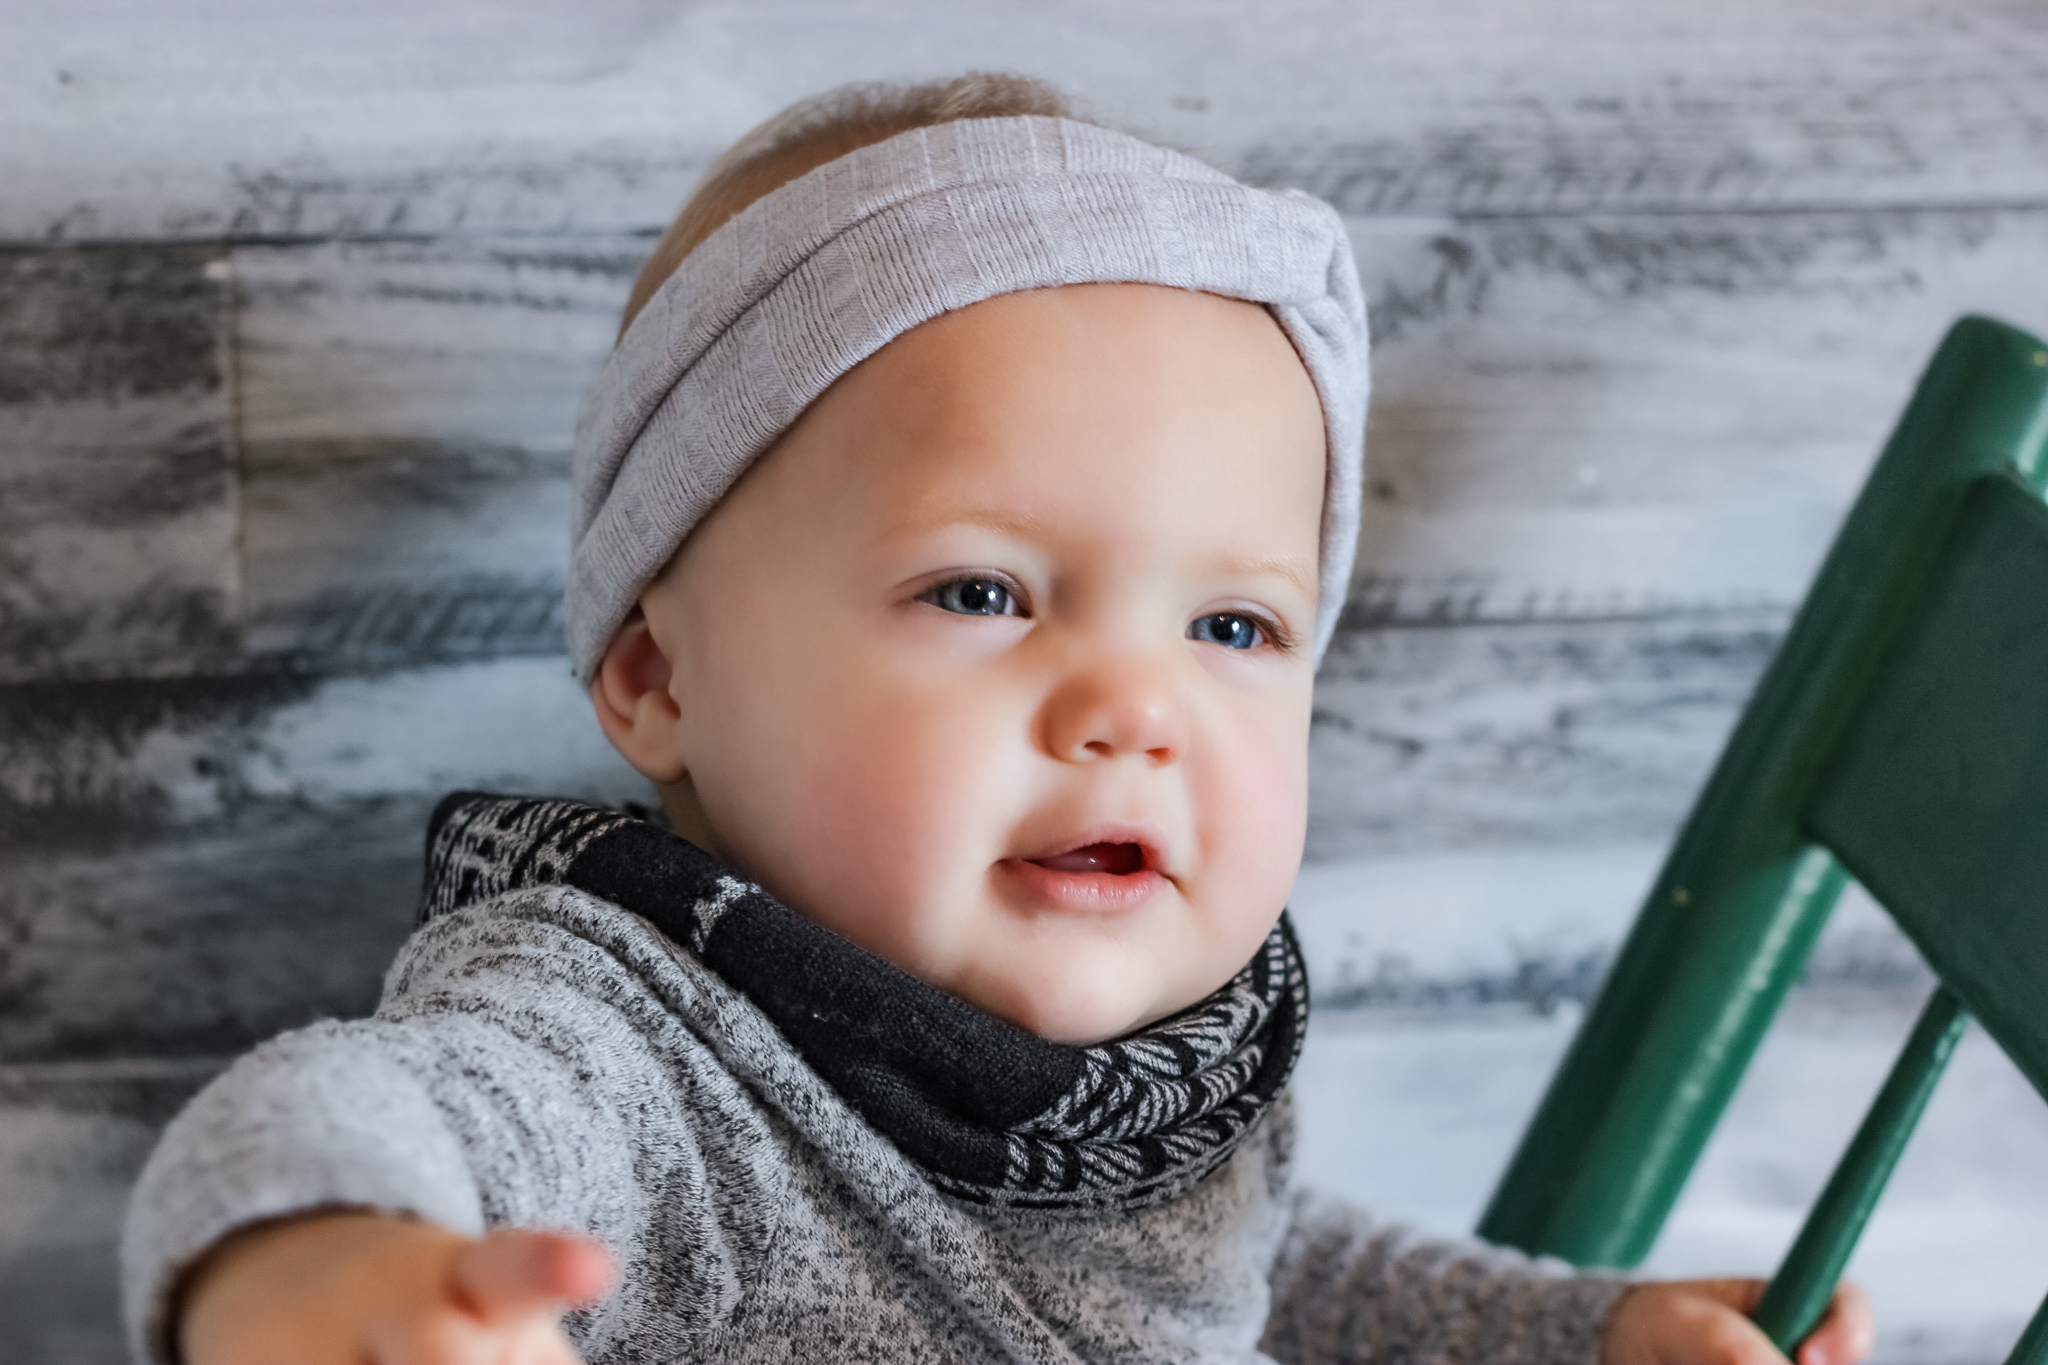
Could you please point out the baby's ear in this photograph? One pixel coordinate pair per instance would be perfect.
(634, 708)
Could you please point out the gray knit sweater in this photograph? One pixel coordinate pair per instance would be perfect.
(545, 1058)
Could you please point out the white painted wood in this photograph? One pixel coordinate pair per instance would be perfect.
(137, 757)
(1535, 925)
(1566, 733)
(1607, 416)
(136, 119)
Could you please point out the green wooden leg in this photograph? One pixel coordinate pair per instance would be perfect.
(2033, 1344)
(1804, 1284)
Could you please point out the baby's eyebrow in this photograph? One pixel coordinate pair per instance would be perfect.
(1288, 568)
(924, 517)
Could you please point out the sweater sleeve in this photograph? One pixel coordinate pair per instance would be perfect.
(1348, 1289)
(316, 1118)
(517, 1074)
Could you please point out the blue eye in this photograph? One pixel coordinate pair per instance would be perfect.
(972, 597)
(1231, 629)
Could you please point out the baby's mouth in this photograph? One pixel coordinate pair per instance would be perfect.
(1118, 860)
(1110, 875)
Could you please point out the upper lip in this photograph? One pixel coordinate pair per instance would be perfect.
(1147, 838)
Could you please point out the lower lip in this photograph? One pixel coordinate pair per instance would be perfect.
(1093, 893)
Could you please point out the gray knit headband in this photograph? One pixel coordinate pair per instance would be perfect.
(813, 278)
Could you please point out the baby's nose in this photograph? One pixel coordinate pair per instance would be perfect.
(1122, 708)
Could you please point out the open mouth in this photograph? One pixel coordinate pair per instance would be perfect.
(1108, 876)
(1118, 860)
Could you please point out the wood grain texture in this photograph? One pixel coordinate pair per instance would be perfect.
(407, 415)
(336, 119)
(1586, 732)
(203, 945)
(72, 1139)
(1594, 416)
(117, 481)
(188, 865)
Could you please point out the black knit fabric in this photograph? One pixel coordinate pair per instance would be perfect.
(993, 1113)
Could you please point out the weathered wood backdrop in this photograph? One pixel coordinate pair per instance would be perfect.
(296, 304)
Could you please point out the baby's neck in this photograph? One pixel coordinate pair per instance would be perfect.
(686, 816)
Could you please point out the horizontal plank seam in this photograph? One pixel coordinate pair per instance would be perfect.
(1778, 210)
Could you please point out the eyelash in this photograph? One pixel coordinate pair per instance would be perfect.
(1268, 627)
(1009, 588)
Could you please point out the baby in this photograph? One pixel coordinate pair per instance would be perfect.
(960, 520)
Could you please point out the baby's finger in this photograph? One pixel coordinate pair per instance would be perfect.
(1742, 1295)
(460, 1339)
(1845, 1334)
(513, 1272)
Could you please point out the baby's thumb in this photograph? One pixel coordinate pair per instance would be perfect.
(512, 1273)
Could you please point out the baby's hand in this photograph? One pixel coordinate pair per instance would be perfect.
(1705, 1322)
(367, 1289)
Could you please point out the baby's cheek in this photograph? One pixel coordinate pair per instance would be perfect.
(1253, 814)
(1254, 805)
(894, 806)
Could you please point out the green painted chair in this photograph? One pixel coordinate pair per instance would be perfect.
(1900, 737)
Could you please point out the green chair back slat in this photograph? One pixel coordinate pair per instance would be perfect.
(1938, 799)
(1799, 1293)
(1745, 891)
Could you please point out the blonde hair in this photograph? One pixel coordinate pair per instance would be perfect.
(824, 128)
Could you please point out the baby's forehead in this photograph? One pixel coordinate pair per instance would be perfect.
(1114, 367)
(1130, 422)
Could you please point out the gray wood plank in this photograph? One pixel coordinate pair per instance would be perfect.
(72, 1139)
(407, 414)
(1420, 932)
(203, 944)
(187, 864)
(598, 116)
(1602, 416)
(118, 502)
(1542, 733)
(93, 765)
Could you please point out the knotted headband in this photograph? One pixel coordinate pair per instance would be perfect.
(814, 277)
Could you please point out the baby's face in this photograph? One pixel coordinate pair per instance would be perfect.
(999, 664)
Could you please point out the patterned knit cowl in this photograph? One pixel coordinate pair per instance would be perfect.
(992, 1113)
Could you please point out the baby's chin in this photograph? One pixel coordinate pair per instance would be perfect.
(1078, 1008)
